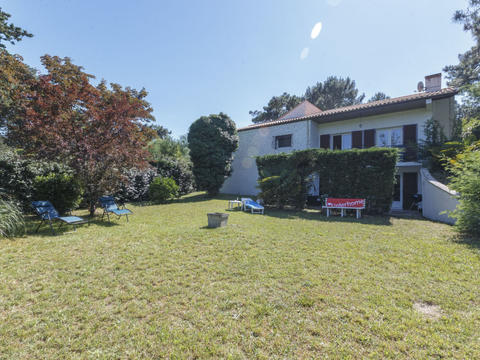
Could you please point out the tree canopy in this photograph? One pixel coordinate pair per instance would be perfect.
(467, 71)
(212, 141)
(378, 96)
(276, 107)
(332, 93)
(96, 130)
(9, 32)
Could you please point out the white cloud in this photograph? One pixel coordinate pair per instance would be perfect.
(304, 53)
(334, 2)
(316, 30)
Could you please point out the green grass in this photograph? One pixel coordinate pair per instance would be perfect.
(282, 285)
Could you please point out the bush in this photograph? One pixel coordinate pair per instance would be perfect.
(62, 190)
(355, 173)
(179, 169)
(212, 141)
(17, 175)
(163, 189)
(11, 219)
(466, 180)
(136, 185)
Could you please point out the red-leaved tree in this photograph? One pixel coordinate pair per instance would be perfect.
(97, 130)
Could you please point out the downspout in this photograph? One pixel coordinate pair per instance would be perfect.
(309, 123)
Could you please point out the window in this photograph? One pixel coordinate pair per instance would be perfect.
(346, 141)
(337, 142)
(389, 137)
(283, 141)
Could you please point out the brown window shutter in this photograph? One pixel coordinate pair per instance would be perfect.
(325, 141)
(410, 134)
(369, 138)
(410, 142)
(337, 142)
(357, 139)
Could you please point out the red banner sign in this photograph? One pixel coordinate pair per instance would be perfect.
(346, 203)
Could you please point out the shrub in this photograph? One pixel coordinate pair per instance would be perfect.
(367, 173)
(17, 175)
(179, 169)
(136, 185)
(11, 219)
(212, 141)
(163, 189)
(62, 190)
(466, 180)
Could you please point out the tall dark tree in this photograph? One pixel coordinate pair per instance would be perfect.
(467, 71)
(276, 107)
(333, 93)
(378, 96)
(212, 141)
(9, 32)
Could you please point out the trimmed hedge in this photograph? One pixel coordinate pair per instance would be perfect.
(163, 189)
(356, 173)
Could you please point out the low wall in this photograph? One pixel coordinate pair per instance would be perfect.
(437, 198)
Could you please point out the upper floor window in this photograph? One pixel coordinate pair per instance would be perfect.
(283, 141)
(389, 137)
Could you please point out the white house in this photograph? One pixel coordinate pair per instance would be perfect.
(396, 122)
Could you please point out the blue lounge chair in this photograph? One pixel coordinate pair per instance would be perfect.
(110, 206)
(252, 206)
(47, 212)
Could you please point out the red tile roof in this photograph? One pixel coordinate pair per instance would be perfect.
(339, 114)
(305, 108)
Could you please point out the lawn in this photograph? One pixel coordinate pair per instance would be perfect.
(283, 285)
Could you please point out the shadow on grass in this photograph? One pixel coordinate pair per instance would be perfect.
(60, 228)
(469, 241)
(317, 216)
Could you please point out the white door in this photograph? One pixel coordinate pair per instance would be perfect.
(346, 141)
(398, 192)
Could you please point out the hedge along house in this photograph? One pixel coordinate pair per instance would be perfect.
(397, 122)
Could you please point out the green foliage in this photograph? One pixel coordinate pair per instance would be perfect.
(276, 107)
(466, 181)
(212, 141)
(9, 32)
(168, 147)
(163, 189)
(17, 175)
(61, 189)
(333, 93)
(171, 159)
(136, 185)
(179, 169)
(367, 173)
(467, 70)
(378, 96)
(11, 219)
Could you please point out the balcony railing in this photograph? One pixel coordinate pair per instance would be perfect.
(408, 153)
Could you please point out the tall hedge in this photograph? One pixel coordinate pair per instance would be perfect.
(366, 173)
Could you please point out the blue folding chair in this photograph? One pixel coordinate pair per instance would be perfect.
(110, 206)
(47, 212)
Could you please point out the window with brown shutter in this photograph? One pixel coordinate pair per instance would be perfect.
(325, 141)
(357, 139)
(337, 142)
(369, 138)
(410, 142)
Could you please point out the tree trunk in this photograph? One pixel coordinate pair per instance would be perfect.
(91, 209)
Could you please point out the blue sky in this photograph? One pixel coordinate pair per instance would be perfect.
(201, 57)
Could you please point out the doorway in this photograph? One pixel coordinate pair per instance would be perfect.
(410, 188)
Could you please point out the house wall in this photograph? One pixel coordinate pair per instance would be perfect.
(443, 111)
(437, 199)
(257, 142)
(417, 116)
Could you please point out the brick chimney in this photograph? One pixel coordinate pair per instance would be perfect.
(433, 82)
